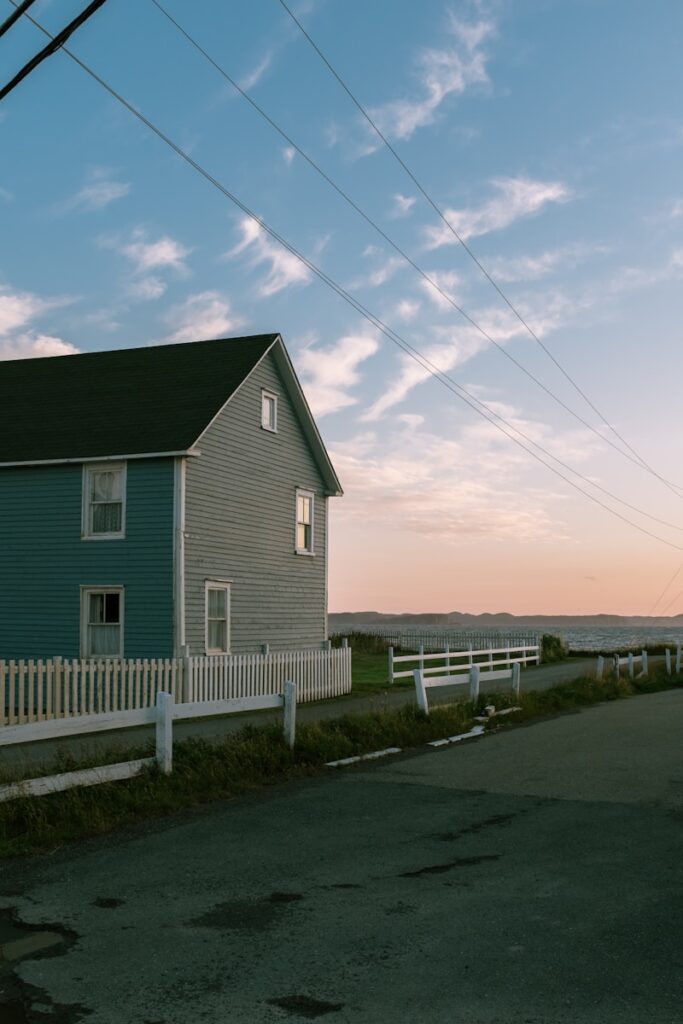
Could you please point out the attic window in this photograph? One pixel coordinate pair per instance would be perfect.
(269, 411)
(104, 494)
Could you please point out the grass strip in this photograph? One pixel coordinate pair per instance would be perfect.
(257, 757)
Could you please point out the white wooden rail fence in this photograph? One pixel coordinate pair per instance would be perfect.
(473, 679)
(33, 691)
(461, 661)
(162, 714)
(631, 660)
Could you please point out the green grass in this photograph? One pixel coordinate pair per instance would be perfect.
(257, 757)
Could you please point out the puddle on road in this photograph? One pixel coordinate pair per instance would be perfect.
(247, 915)
(21, 1003)
(459, 862)
(305, 1006)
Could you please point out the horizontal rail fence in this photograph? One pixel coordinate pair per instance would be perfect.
(31, 691)
(436, 637)
(449, 662)
(163, 712)
(472, 679)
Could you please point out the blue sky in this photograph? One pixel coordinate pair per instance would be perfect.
(552, 136)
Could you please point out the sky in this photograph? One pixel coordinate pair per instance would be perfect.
(550, 136)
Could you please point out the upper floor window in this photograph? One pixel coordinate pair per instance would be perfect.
(304, 522)
(269, 411)
(104, 500)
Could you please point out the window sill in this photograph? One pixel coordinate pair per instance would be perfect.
(103, 536)
(310, 554)
(271, 430)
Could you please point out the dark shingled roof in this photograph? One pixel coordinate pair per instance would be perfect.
(133, 401)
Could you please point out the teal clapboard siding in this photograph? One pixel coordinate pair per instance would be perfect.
(43, 561)
(240, 524)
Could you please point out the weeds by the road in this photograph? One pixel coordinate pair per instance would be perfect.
(257, 757)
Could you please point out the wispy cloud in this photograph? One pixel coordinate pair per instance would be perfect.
(515, 198)
(288, 154)
(100, 189)
(453, 488)
(201, 317)
(35, 346)
(6, 195)
(533, 268)
(441, 73)
(329, 374)
(18, 339)
(165, 253)
(285, 269)
(407, 309)
(147, 288)
(402, 205)
(383, 272)
(254, 76)
(448, 281)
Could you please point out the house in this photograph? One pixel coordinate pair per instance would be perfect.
(161, 499)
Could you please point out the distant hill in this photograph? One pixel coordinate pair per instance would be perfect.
(464, 620)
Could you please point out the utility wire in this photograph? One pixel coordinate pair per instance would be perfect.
(665, 590)
(397, 248)
(672, 601)
(14, 16)
(440, 213)
(55, 43)
(414, 353)
(288, 138)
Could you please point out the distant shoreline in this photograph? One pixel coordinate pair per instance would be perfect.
(505, 620)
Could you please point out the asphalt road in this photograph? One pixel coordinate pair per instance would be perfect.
(529, 877)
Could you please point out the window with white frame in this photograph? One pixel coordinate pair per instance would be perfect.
(102, 622)
(104, 500)
(304, 522)
(217, 617)
(269, 411)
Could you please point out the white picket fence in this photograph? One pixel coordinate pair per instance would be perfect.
(162, 714)
(490, 658)
(472, 679)
(33, 691)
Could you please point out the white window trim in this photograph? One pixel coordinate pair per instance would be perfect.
(301, 492)
(88, 468)
(269, 394)
(225, 585)
(86, 591)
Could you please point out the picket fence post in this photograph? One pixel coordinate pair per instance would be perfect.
(630, 664)
(420, 691)
(644, 660)
(164, 732)
(390, 654)
(289, 726)
(474, 683)
(515, 679)
(667, 658)
(600, 667)
(679, 655)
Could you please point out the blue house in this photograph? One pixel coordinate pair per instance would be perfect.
(161, 500)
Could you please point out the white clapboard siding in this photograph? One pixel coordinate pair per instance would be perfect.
(31, 691)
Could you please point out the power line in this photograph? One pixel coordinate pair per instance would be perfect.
(409, 349)
(665, 590)
(55, 44)
(440, 213)
(397, 248)
(14, 16)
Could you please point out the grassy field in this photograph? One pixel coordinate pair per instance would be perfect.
(257, 757)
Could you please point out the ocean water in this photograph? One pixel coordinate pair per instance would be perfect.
(577, 638)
